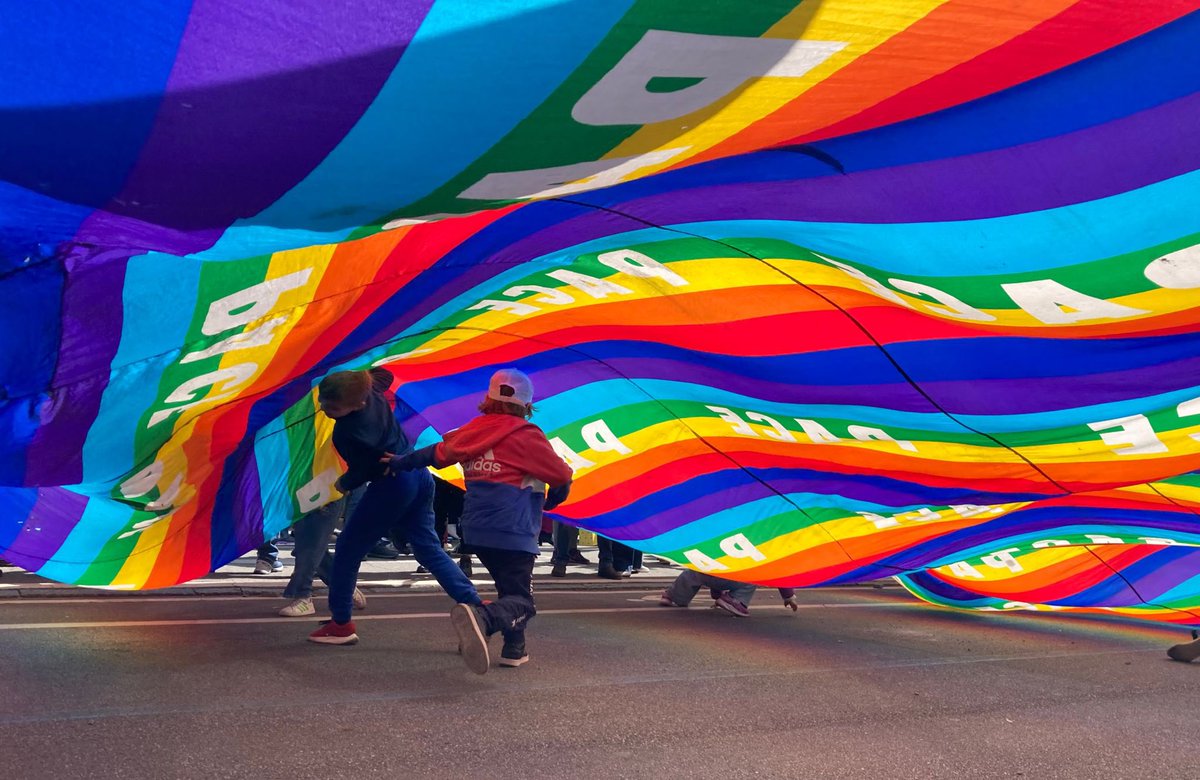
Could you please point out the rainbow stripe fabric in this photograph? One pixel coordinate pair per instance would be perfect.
(810, 293)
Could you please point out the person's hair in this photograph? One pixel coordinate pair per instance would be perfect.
(345, 387)
(492, 406)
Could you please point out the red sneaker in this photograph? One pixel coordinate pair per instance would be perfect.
(331, 633)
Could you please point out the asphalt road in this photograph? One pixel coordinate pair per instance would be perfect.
(860, 683)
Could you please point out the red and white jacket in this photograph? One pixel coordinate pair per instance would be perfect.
(508, 463)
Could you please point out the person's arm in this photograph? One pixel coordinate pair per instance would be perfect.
(417, 459)
(556, 495)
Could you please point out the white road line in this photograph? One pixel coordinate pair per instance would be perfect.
(408, 616)
(200, 597)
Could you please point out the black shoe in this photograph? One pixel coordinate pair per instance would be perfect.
(465, 565)
(559, 570)
(513, 655)
(384, 550)
(608, 572)
(421, 569)
(577, 557)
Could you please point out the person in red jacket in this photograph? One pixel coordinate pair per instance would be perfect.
(508, 464)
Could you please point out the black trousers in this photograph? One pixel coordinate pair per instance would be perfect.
(512, 571)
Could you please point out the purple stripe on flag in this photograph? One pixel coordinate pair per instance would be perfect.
(1040, 394)
(256, 100)
(1136, 151)
(247, 507)
(91, 333)
(50, 521)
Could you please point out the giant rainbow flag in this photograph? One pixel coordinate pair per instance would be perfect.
(810, 293)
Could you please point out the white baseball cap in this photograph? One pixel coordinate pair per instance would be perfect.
(512, 386)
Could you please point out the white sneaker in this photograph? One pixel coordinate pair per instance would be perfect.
(298, 608)
(360, 601)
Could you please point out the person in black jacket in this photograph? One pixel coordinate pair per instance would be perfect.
(364, 429)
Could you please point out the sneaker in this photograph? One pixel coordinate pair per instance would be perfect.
(1186, 652)
(513, 655)
(559, 570)
(627, 572)
(665, 601)
(384, 550)
(421, 569)
(472, 639)
(267, 567)
(608, 572)
(298, 608)
(331, 633)
(577, 557)
(360, 601)
(641, 570)
(732, 605)
(465, 564)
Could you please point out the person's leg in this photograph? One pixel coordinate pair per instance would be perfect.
(622, 557)
(464, 558)
(742, 591)
(324, 570)
(370, 520)
(440, 524)
(565, 536)
(311, 534)
(727, 594)
(604, 550)
(637, 560)
(416, 523)
(267, 558)
(684, 588)
(514, 607)
(606, 566)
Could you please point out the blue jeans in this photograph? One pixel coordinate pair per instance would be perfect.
(403, 501)
(689, 582)
(311, 553)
